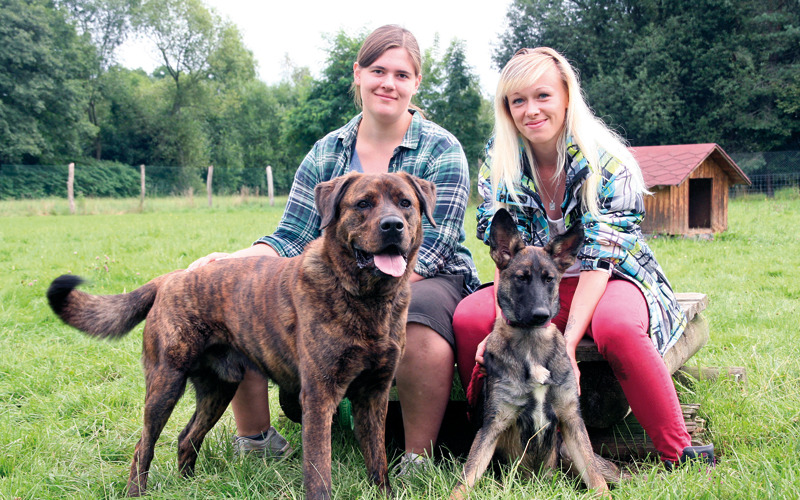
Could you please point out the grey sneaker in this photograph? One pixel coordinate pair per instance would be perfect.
(411, 464)
(271, 445)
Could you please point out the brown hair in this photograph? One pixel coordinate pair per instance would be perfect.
(390, 36)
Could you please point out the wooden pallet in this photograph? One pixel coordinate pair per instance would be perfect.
(627, 440)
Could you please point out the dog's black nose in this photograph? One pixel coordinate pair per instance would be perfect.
(540, 316)
(392, 223)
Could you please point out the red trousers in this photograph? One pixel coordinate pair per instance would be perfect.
(620, 328)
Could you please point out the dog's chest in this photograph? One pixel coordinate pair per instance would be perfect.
(520, 394)
(537, 384)
(524, 388)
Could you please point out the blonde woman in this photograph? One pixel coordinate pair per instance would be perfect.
(553, 164)
(389, 135)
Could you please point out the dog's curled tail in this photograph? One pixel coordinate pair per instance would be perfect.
(104, 316)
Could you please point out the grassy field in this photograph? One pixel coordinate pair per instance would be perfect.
(70, 406)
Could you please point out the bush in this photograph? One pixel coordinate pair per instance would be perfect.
(92, 178)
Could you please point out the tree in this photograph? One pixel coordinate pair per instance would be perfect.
(760, 109)
(329, 104)
(45, 65)
(128, 116)
(231, 71)
(429, 92)
(186, 34)
(108, 24)
(676, 71)
(450, 95)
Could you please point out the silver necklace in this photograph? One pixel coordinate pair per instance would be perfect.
(552, 204)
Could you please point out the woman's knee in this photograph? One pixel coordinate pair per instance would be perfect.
(424, 345)
(621, 316)
(475, 314)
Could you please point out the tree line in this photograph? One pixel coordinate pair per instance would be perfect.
(677, 71)
(659, 71)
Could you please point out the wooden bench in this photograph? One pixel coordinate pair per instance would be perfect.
(602, 401)
(613, 430)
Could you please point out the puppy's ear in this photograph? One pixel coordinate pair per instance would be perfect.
(327, 196)
(564, 248)
(504, 238)
(426, 193)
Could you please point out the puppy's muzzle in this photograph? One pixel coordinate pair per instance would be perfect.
(540, 316)
(530, 318)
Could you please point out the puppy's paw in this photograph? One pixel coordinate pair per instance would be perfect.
(541, 374)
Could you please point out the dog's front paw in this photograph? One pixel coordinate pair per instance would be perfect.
(540, 374)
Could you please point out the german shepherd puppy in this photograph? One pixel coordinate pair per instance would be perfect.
(326, 324)
(530, 390)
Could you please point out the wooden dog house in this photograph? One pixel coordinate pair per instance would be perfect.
(690, 185)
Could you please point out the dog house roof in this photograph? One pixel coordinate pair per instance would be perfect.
(671, 165)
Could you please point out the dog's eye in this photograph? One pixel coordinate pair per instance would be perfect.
(524, 277)
(405, 203)
(548, 279)
(363, 204)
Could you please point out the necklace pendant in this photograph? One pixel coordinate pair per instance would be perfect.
(552, 205)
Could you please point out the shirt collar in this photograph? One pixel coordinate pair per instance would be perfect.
(411, 139)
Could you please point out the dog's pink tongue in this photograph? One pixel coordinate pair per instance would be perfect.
(393, 265)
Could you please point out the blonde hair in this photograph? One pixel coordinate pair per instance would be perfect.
(390, 36)
(588, 132)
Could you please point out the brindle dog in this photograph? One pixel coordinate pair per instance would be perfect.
(326, 324)
(530, 390)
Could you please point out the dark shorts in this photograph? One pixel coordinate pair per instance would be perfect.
(433, 302)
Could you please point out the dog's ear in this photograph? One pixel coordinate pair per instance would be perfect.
(426, 193)
(327, 196)
(564, 248)
(504, 238)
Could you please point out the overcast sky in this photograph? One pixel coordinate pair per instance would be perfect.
(272, 29)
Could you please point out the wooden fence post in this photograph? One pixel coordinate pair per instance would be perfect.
(70, 187)
(208, 182)
(270, 192)
(141, 196)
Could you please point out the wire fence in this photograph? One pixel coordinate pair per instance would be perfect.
(766, 184)
(768, 172)
(121, 181)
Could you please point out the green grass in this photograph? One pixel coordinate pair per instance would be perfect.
(70, 406)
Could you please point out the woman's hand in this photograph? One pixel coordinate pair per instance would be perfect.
(479, 355)
(260, 249)
(202, 261)
(573, 361)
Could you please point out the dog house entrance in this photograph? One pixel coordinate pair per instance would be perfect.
(700, 203)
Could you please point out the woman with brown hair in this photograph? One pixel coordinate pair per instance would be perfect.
(388, 135)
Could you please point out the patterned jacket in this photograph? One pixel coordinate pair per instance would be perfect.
(613, 240)
(428, 151)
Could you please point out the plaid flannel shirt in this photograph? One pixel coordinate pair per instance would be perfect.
(613, 240)
(428, 151)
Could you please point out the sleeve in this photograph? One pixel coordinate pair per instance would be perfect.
(300, 223)
(614, 233)
(450, 173)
